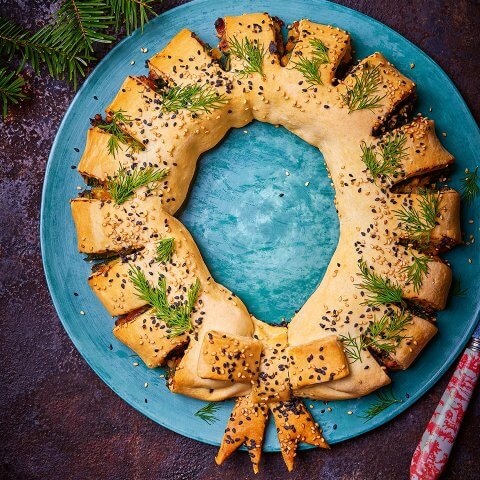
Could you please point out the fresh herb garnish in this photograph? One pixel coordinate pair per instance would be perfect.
(309, 67)
(361, 96)
(391, 152)
(176, 317)
(470, 186)
(207, 413)
(122, 185)
(193, 97)
(380, 290)
(385, 399)
(382, 335)
(456, 288)
(117, 135)
(417, 270)
(419, 223)
(250, 53)
(165, 249)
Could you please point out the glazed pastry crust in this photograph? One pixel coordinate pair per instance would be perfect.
(321, 115)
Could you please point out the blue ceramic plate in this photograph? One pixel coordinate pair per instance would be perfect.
(237, 216)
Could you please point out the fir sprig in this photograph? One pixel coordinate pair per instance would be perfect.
(165, 249)
(117, 134)
(207, 413)
(417, 270)
(380, 290)
(309, 67)
(382, 335)
(194, 98)
(122, 185)
(131, 13)
(11, 89)
(391, 152)
(250, 53)
(420, 222)
(176, 317)
(44, 47)
(470, 187)
(362, 95)
(384, 400)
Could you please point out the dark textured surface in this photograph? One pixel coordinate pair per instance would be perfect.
(58, 420)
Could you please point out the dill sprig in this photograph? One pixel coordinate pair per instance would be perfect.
(165, 249)
(382, 335)
(117, 135)
(384, 400)
(417, 270)
(420, 222)
(361, 96)
(456, 289)
(392, 152)
(309, 67)
(193, 97)
(380, 290)
(207, 413)
(250, 53)
(470, 186)
(122, 185)
(176, 317)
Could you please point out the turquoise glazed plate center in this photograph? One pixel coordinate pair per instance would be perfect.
(263, 232)
(266, 225)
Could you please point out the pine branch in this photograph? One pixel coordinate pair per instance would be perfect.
(207, 413)
(123, 184)
(417, 270)
(250, 53)
(132, 13)
(116, 120)
(11, 89)
(361, 96)
(79, 24)
(380, 290)
(420, 222)
(385, 399)
(470, 186)
(165, 249)
(176, 317)
(193, 97)
(42, 48)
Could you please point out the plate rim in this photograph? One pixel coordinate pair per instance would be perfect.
(177, 428)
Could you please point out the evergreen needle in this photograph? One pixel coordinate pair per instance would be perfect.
(117, 135)
(250, 53)
(193, 97)
(11, 89)
(122, 185)
(165, 249)
(177, 316)
(420, 222)
(207, 413)
(362, 95)
(380, 290)
(470, 186)
(384, 400)
(309, 67)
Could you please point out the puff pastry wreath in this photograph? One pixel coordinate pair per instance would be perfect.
(373, 309)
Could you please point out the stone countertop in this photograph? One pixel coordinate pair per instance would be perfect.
(58, 420)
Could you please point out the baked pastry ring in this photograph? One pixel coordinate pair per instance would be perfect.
(372, 310)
